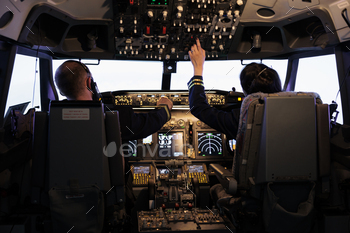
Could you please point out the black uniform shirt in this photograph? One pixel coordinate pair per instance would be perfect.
(225, 122)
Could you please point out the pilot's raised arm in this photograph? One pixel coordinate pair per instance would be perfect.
(225, 122)
(74, 80)
(254, 78)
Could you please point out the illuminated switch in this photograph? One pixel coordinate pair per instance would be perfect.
(167, 57)
(163, 46)
(173, 50)
(205, 6)
(121, 29)
(150, 46)
(158, 46)
(160, 51)
(213, 36)
(224, 29)
(135, 21)
(136, 52)
(199, 5)
(146, 46)
(164, 30)
(205, 29)
(202, 18)
(148, 30)
(188, 29)
(220, 37)
(208, 19)
(121, 21)
(200, 29)
(216, 27)
(135, 31)
(165, 14)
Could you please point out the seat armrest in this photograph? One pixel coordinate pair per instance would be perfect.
(225, 177)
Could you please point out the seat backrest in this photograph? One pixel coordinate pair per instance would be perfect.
(277, 138)
(77, 138)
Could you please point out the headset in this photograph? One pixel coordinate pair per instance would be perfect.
(96, 95)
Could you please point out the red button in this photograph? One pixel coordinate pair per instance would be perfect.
(164, 30)
(190, 205)
(177, 205)
(163, 206)
(165, 193)
(148, 30)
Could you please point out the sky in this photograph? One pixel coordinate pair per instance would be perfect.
(317, 74)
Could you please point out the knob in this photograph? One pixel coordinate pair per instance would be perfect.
(167, 57)
(150, 14)
(160, 51)
(214, 42)
(236, 13)
(121, 29)
(221, 47)
(221, 13)
(180, 8)
(239, 2)
(173, 50)
(165, 14)
(178, 15)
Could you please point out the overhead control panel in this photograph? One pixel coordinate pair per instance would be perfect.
(166, 29)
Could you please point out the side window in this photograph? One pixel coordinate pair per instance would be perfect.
(319, 74)
(25, 81)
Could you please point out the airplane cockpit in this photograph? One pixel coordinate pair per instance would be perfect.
(68, 166)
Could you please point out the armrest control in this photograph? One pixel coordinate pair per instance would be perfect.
(226, 178)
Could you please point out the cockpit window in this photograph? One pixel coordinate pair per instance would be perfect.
(319, 74)
(23, 84)
(123, 75)
(221, 75)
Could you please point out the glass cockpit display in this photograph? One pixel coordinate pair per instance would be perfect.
(209, 144)
(170, 144)
(141, 170)
(195, 168)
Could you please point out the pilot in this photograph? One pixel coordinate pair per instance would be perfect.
(254, 78)
(75, 81)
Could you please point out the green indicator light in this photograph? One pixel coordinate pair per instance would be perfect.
(203, 155)
(159, 3)
(220, 153)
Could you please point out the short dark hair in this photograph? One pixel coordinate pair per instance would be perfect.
(70, 78)
(257, 77)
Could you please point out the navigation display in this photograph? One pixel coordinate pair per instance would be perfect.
(170, 144)
(209, 144)
(195, 168)
(147, 140)
(130, 148)
(141, 170)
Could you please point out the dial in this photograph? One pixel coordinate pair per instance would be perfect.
(209, 144)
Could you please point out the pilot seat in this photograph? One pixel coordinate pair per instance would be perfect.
(79, 175)
(282, 153)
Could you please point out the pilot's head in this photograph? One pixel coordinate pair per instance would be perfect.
(259, 78)
(74, 81)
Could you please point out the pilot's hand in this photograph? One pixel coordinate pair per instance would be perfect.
(197, 55)
(165, 100)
